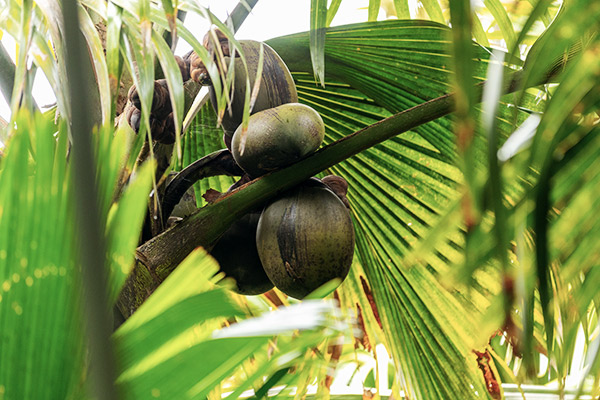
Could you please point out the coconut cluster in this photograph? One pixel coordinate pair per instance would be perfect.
(301, 239)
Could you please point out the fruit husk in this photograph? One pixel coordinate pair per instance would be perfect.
(278, 137)
(238, 257)
(276, 86)
(305, 238)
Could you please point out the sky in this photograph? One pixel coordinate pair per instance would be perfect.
(269, 18)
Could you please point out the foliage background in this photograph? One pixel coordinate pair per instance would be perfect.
(470, 268)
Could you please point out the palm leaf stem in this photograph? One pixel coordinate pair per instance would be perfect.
(218, 163)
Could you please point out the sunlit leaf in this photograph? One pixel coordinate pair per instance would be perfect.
(40, 299)
(174, 328)
(496, 8)
(42, 335)
(434, 10)
(402, 10)
(113, 46)
(374, 6)
(332, 11)
(566, 37)
(318, 21)
(99, 62)
(124, 226)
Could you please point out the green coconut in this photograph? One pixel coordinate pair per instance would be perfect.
(277, 137)
(238, 257)
(305, 238)
(276, 85)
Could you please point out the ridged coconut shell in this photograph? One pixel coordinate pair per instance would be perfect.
(278, 137)
(238, 257)
(305, 238)
(276, 86)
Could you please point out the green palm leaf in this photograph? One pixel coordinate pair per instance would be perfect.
(99, 62)
(172, 345)
(318, 21)
(394, 195)
(434, 10)
(400, 188)
(42, 336)
(496, 8)
(573, 246)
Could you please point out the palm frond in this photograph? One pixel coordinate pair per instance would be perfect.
(43, 338)
(179, 325)
(400, 188)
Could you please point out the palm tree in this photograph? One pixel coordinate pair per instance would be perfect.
(472, 180)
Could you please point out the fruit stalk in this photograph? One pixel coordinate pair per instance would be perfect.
(217, 163)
